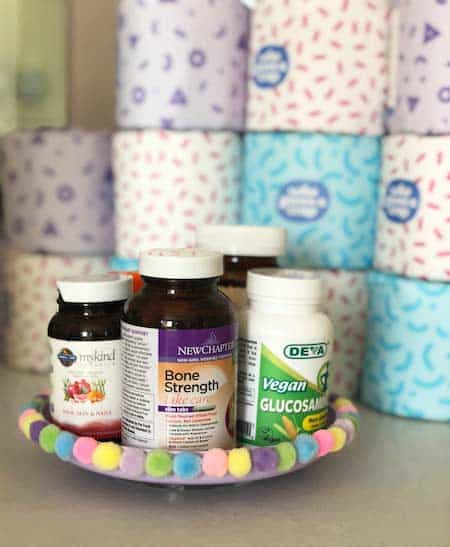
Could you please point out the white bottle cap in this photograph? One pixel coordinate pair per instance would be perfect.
(284, 284)
(180, 264)
(243, 240)
(92, 289)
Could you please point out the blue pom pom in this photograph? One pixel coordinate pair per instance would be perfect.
(64, 445)
(187, 465)
(307, 448)
(26, 406)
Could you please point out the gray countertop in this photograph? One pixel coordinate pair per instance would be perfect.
(390, 488)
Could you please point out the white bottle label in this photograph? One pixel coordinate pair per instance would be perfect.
(179, 387)
(86, 382)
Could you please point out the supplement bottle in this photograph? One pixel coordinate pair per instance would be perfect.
(84, 337)
(284, 353)
(244, 248)
(180, 341)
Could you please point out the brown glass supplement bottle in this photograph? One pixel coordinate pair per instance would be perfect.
(179, 335)
(244, 248)
(84, 337)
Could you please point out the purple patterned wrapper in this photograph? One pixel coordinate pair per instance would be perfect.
(420, 94)
(58, 192)
(182, 64)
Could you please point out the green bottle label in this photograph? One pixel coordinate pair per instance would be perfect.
(278, 401)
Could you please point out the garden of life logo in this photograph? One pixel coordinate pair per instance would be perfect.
(303, 201)
(401, 201)
(66, 357)
(271, 66)
(305, 351)
(322, 377)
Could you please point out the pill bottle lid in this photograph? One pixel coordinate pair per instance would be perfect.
(285, 284)
(180, 263)
(243, 240)
(91, 289)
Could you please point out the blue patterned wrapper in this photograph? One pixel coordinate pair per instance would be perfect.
(407, 366)
(321, 188)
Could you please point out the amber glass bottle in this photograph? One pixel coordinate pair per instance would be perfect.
(179, 336)
(84, 337)
(244, 248)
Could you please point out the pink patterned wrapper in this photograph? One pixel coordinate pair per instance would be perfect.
(413, 236)
(345, 303)
(170, 183)
(182, 64)
(30, 281)
(318, 65)
(58, 191)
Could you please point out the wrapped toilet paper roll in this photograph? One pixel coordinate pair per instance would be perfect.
(317, 65)
(169, 183)
(30, 281)
(345, 303)
(182, 65)
(413, 234)
(406, 371)
(58, 192)
(420, 80)
(321, 188)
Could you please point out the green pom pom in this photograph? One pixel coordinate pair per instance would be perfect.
(287, 456)
(158, 463)
(47, 438)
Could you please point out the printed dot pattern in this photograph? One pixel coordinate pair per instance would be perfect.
(182, 64)
(324, 66)
(413, 234)
(169, 183)
(30, 281)
(58, 192)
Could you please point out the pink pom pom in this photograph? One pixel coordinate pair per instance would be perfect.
(347, 408)
(83, 449)
(25, 413)
(325, 441)
(215, 463)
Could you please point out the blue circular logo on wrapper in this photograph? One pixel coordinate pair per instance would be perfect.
(401, 201)
(271, 66)
(303, 201)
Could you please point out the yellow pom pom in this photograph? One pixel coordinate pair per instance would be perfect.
(341, 401)
(339, 436)
(239, 462)
(27, 421)
(107, 456)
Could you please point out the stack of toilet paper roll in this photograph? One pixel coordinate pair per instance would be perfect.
(30, 282)
(59, 221)
(181, 97)
(408, 346)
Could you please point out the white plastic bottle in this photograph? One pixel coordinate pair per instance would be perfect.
(284, 353)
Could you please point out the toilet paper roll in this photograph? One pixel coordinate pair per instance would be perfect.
(406, 371)
(169, 183)
(413, 235)
(30, 281)
(58, 193)
(321, 188)
(317, 65)
(420, 94)
(345, 303)
(182, 65)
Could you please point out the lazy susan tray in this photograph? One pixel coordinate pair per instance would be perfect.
(213, 467)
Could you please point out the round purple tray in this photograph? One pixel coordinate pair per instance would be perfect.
(343, 418)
